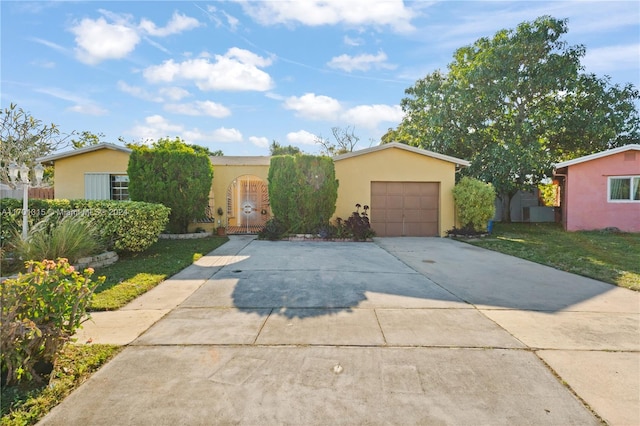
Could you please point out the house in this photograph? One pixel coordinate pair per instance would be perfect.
(408, 189)
(601, 190)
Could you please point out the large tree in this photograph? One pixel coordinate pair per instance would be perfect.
(172, 173)
(516, 103)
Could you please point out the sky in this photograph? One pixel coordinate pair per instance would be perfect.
(236, 75)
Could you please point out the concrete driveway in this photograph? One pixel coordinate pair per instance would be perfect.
(399, 331)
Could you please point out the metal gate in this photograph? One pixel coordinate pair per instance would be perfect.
(247, 205)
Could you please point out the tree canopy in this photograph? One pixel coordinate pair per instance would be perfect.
(516, 103)
(276, 149)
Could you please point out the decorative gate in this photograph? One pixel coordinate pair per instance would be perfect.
(247, 205)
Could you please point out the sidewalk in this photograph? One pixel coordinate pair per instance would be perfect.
(123, 326)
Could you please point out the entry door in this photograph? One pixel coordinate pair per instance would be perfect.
(405, 209)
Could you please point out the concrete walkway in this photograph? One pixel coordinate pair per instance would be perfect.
(400, 331)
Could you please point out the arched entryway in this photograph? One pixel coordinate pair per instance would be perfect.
(247, 205)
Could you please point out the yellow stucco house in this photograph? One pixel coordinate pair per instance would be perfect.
(408, 189)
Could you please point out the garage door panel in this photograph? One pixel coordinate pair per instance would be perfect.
(393, 215)
(429, 202)
(378, 188)
(411, 202)
(405, 208)
(395, 188)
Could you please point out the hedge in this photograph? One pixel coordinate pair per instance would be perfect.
(126, 226)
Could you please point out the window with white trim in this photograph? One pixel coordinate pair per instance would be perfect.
(120, 187)
(624, 189)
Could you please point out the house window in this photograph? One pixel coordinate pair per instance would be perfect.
(624, 189)
(119, 187)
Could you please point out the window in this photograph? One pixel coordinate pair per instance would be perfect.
(624, 188)
(119, 187)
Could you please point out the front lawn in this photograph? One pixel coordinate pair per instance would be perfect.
(27, 403)
(606, 256)
(135, 274)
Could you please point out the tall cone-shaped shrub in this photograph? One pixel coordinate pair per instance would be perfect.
(172, 174)
(302, 191)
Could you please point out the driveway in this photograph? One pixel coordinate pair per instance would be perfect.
(399, 331)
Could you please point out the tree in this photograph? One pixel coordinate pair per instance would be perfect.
(276, 149)
(86, 138)
(172, 173)
(515, 104)
(346, 141)
(24, 138)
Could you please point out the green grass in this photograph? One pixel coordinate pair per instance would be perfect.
(26, 404)
(135, 274)
(602, 255)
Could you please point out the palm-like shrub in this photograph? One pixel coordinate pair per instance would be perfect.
(71, 237)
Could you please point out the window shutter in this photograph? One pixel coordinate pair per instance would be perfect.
(96, 186)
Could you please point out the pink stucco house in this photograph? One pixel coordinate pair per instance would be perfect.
(601, 190)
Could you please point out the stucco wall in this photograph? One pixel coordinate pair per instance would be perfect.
(587, 206)
(356, 173)
(70, 171)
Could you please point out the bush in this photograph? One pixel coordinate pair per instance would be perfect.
(303, 191)
(357, 226)
(130, 226)
(71, 237)
(41, 310)
(474, 202)
(273, 230)
(124, 226)
(174, 174)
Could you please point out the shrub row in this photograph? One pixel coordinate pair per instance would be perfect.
(124, 226)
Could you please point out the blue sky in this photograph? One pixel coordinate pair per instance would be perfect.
(235, 75)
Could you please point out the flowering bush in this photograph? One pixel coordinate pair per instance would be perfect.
(41, 310)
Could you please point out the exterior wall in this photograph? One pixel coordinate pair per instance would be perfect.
(223, 176)
(69, 171)
(586, 206)
(356, 173)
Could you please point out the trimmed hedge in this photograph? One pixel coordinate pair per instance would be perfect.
(303, 190)
(474, 201)
(125, 226)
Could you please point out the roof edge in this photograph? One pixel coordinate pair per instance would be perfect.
(84, 150)
(595, 156)
(405, 147)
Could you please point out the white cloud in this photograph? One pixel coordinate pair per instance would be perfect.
(156, 127)
(313, 106)
(226, 135)
(392, 13)
(138, 92)
(176, 25)
(98, 40)
(301, 137)
(610, 58)
(114, 36)
(174, 93)
(370, 116)
(238, 69)
(82, 105)
(352, 41)
(362, 62)
(319, 107)
(198, 108)
(261, 141)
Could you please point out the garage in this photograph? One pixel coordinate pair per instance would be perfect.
(405, 209)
